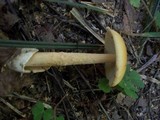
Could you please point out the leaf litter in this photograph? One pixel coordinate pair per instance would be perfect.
(39, 21)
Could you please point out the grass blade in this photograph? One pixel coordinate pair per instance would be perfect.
(145, 34)
(47, 45)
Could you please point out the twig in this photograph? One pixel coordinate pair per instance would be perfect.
(120, 106)
(81, 5)
(131, 118)
(153, 59)
(78, 16)
(86, 81)
(66, 111)
(80, 92)
(133, 49)
(153, 80)
(55, 108)
(23, 97)
(99, 102)
(150, 102)
(150, 23)
(156, 99)
(87, 90)
(48, 87)
(150, 14)
(69, 85)
(12, 108)
(141, 50)
(64, 93)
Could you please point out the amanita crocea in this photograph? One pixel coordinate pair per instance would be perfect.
(115, 59)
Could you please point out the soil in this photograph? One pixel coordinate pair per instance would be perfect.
(73, 90)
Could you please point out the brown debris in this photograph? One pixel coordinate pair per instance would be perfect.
(6, 54)
(51, 22)
(7, 81)
(131, 16)
(7, 19)
(10, 80)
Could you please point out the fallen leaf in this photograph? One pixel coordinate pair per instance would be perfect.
(6, 54)
(126, 25)
(7, 19)
(45, 33)
(130, 12)
(120, 98)
(128, 101)
(10, 80)
(124, 100)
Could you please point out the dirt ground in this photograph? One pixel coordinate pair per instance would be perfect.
(73, 90)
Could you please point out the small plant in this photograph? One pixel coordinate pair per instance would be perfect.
(154, 7)
(157, 18)
(130, 84)
(135, 3)
(39, 112)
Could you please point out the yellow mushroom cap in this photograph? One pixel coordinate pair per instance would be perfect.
(114, 44)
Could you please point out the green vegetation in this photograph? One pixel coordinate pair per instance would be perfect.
(130, 84)
(39, 112)
(155, 15)
(157, 18)
(135, 3)
(155, 11)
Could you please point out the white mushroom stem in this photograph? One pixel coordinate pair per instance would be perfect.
(47, 59)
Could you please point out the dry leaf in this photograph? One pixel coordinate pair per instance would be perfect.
(126, 25)
(130, 12)
(7, 19)
(10, 80)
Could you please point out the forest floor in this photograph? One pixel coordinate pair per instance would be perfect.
(72, 91)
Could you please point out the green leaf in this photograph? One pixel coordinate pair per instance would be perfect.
(130, 93)
(136, 79)
(157, 18)
(135, 3)
(122, 84)
(131, 83)
(37, 111)
(60, 117)
(131, 86)
(104, 86)
(128, 85)
(48, 114)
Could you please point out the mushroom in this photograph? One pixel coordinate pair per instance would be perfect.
(115, 59)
